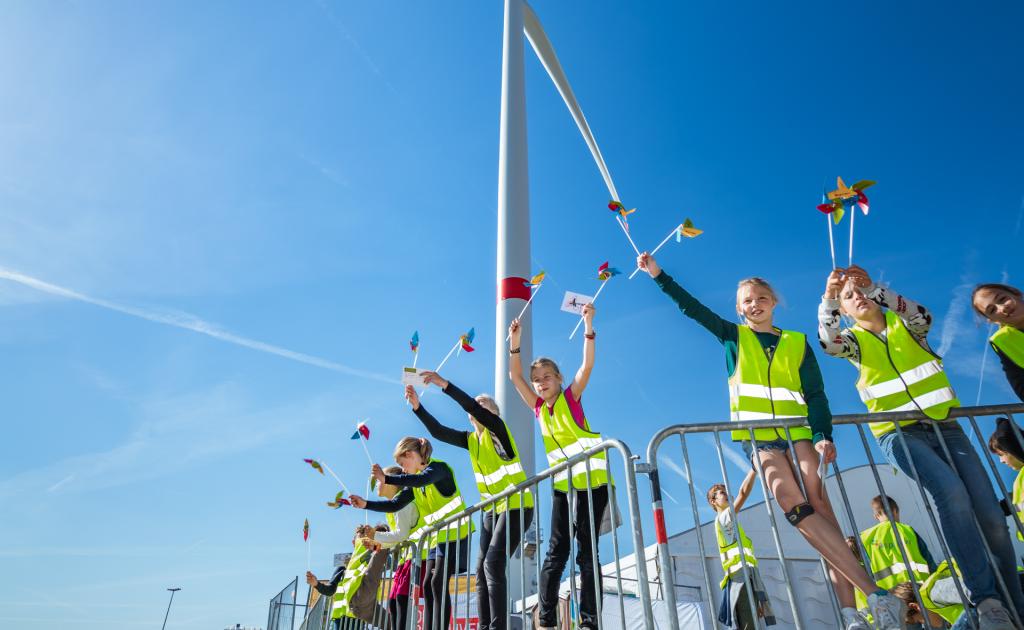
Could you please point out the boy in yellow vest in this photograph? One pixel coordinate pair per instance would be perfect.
(887, 563)
(735, 550)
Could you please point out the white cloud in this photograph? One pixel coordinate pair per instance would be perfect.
(187, 321)
(956, 320)
(673, 466)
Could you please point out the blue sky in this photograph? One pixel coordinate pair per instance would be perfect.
(321, 176)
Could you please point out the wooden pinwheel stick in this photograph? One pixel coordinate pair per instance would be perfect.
(660, 245)
(599, 289)
(445, 360)
(625, 231)
(525, 306)
(328, 469)
(831, 240)
(853, 215)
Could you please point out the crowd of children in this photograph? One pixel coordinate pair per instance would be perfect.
(772, 374)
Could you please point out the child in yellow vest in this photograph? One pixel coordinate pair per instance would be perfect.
(941, 600)
(773, 374)
(898, 371)
(735, 610)
(887, 563)
(1003, 305)
(497, 467)
(566, 433)
(401, 525)
(1005, 444)
(431, 484)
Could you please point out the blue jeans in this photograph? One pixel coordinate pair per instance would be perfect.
(960, 494)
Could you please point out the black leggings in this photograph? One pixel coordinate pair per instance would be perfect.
(491, 587)
(398, 609)
(558, 555)
(445, 563)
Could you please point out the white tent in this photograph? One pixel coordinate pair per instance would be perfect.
(808, 582)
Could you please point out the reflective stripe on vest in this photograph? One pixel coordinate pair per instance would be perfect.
(1010, 342)
(494, 474)
(563, 438)
(763, 388)
(899, 374)
(949, 612)
(730, 553)
(1018, 498)
(434, 506)
(356, 568)
(885, 558)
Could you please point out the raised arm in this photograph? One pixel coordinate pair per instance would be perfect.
(488, 419)
(722, 329)
(515, 366)
(404, 521)
(437, 430)
(579, 383)
(916, 317)
(401, 500)
(745, 489)
(834, 340)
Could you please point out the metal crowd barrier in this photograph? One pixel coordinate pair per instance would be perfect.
(517, 613)
(665, 566)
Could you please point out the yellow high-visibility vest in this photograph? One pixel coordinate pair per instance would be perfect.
(899, 374)
(763, 387)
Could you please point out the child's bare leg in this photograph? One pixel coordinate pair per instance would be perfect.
(818, 498)
(822, 533)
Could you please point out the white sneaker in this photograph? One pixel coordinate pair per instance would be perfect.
(853, 620)
(993, 616)
(888, 611)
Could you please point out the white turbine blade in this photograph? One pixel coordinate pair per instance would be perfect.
(546, 53)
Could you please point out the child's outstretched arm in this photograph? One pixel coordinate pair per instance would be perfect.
(722, 329)
(916, 317)
(401, 500)
(437, 430)
(583, 374)
(515, 366)
(745, 489)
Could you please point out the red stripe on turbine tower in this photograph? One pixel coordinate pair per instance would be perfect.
(514, 287)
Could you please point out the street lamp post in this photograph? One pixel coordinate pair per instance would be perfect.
(173, 591)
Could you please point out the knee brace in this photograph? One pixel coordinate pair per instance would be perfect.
(799, 513)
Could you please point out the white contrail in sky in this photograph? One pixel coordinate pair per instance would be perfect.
(190, 322)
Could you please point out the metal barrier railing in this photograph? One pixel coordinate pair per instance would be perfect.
(459, 584)
(665, 566)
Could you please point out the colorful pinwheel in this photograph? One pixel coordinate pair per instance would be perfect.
(619, 209)
(840, 200)
(535, 281)
(315, 464)
(305, 530)
(686, 229)
(844, 197)
(466, 340)
(361, 431)
(604, 272)
(339, 500)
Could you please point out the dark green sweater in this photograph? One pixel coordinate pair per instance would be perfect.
(818, 414)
